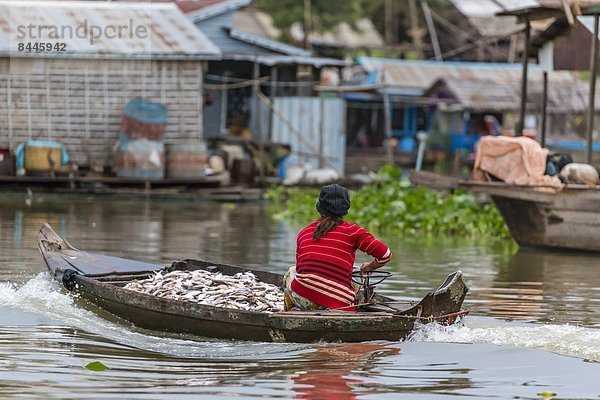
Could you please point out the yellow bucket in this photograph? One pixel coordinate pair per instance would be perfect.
(42, 159)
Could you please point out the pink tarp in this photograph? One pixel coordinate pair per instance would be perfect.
(514, 160)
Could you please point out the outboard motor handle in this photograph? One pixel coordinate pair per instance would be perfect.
(68, 279)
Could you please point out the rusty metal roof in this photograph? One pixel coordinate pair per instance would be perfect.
(566, 93)
(101, 30)
(409, 77)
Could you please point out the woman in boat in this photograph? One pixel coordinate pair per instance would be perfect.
(325, 254)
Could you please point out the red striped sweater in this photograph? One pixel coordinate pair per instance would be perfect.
(324, 266)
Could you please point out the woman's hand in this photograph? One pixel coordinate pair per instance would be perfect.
(370, 266)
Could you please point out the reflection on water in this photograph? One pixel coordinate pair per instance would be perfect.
(547, 287)
(334, 371)
(520, 301)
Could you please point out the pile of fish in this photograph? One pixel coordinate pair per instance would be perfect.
(242, 291)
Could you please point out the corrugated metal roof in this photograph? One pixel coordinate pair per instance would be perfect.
(588, 23)
(414, 77)
(217, 8)
(146, 30)
(565, 93)
(184, 5)
(269, 44)
(317, 62)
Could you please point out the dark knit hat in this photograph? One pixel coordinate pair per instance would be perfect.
(334, 201)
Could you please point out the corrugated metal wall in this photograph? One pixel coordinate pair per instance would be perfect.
(80, 102)
(322, 124)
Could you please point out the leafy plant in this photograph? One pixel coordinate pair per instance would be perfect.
(96, 366)
(390, 204)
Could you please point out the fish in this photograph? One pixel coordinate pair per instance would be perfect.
(241, 291)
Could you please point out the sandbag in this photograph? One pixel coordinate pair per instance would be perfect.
(584, 174)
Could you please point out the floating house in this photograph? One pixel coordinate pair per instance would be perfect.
(294, 113)
(407, 82)
(468, 107)
(453, 99)
(75, 91)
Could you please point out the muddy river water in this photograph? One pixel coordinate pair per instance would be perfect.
(534, 324)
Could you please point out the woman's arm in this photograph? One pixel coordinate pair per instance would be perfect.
(371, 266)
(378, 250)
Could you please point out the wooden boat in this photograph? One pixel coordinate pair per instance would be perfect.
(100, 280)
(569, 218)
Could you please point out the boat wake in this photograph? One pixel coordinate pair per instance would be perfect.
(42, 296)
(569, 340)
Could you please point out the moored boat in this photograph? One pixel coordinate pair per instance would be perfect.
(100, 279)
(539, 216)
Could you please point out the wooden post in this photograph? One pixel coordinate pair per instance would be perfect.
(388, 13)
(512, 48)
(592, 95)
(10, 112)
(107, 144)
(68, 103)
(544, 109)
(48, 106)
(274, 88)
(307, 25)
(86, 83)
(223, 114)
(28, 98)
(521, 125)
(256, 127)
(387, 117)
(321, 126)
(415, 32)
(200, 121)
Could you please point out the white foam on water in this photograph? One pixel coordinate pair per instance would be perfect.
(570, 340)
(43, 296)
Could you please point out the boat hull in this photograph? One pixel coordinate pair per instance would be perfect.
(385, 319)
(568, 219)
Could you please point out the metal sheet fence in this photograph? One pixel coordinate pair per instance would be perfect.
(319, 121)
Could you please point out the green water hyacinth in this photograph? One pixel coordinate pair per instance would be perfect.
(390, 204)
(96, 366)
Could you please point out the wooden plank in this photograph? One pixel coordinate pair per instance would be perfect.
(433, 180)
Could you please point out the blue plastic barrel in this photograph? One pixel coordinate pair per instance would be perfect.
(146, 111)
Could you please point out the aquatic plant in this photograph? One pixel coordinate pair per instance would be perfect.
(96, 366)
(390, 204)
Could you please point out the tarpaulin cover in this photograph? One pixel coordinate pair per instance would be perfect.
(514, 160)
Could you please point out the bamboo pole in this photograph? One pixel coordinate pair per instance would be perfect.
(432, 32)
